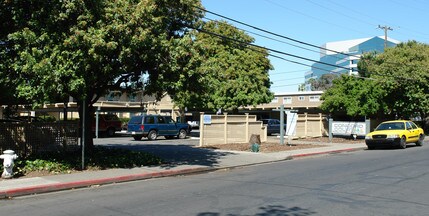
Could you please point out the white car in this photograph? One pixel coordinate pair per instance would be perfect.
(194, 124)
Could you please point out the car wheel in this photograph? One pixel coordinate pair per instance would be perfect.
(182, 134)
(371, 147)
(110, 132)
(137, 137)
(403, 143)
(421, 139)
(152, 135)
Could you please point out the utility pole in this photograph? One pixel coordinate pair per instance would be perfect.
(385, 28)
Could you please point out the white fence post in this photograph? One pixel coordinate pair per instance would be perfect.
(225, 128)
(201, 128)
(247, 127)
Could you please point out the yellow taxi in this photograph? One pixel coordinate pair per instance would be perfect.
(395, 133)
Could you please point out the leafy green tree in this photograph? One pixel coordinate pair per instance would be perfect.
(353, 96)
(395, 84)
(403, 72)
(224, 70)
(84, 48)
(323, 82)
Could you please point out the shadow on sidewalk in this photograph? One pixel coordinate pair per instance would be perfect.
(176, 155)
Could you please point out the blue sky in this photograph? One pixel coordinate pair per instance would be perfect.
(317, 22)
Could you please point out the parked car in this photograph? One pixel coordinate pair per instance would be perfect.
(194, 124)
(9, 120)
(108, 124)
(273, 126)
(395, 133)
(152, 126)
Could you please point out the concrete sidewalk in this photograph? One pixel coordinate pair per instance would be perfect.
(196, 161)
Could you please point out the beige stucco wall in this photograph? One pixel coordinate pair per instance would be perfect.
(310, 125)
(226, 128)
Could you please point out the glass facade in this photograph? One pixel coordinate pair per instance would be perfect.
(346, 61)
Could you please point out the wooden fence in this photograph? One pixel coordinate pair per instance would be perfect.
(311, 125)
(224, 129)
(28, 138)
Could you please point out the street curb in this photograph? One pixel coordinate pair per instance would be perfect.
(328, 152)
(6, 194)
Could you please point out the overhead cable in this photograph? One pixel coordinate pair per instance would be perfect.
(275, 34)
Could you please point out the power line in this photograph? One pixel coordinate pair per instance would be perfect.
(361, 14)
(278, 86)
(288, 60)
(283, 72)
(295, 78)
(315, 18)
(275, 34)
(270, 38)
(337, 12)
(273, 39)
(288, 38)
(308, 44)
(284, 53)
(269, 49)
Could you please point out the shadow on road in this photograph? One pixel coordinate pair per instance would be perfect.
(272, 210)
(175, 155)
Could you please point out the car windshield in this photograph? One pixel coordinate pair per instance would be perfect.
(391, 126)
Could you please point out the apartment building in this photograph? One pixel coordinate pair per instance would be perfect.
(125, 105)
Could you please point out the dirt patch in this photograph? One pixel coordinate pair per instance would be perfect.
(313, 142)
(334, 140)
(264, 147)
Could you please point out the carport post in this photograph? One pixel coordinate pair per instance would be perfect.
(330, 129)
(96, 122)
(282, 120)
(201, 128)
(83, 132)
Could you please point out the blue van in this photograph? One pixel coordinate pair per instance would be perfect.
(152, 126)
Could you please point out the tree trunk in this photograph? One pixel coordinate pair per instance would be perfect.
(86, 126)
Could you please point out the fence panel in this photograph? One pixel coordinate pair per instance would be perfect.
(223, 129)
(28, 138)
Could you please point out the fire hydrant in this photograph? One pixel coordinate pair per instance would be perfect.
(8, 157)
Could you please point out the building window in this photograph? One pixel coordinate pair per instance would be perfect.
(113, 96)
(132, 97)
(314, 98)
(301, 98)
(275, 100)
(287, 100)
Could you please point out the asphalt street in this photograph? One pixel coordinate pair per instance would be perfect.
(368, 182)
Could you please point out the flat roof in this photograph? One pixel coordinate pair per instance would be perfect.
(299, 93)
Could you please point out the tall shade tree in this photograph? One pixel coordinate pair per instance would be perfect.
(396, 85)
(353, 96)
(226, 70)
(84, 48)
(403, 72)
(322, 83)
